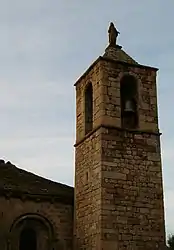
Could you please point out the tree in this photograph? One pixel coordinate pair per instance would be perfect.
(170, 242)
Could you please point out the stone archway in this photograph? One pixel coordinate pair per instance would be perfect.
(33, 231)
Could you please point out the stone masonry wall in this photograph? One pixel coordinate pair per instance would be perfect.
(59, 215)
(112, 73)
(119, 193)
(118, 187)
(132, 192)
(93, 77)
(88, 193)
(87, 165)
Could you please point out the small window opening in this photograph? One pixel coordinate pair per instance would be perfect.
(87, 176)
(88, 109)
(128, 91)
(28, 240)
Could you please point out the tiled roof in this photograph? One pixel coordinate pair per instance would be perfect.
(14, 179)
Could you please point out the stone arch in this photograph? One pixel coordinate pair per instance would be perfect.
(129, 101)
(136, 76)
(41, 225)
(88, 107)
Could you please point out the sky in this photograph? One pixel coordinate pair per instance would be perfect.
(45, 46)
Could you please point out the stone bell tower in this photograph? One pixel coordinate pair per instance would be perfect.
(118, 173)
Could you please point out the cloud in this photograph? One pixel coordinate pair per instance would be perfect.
(48, 152)
(45, 46)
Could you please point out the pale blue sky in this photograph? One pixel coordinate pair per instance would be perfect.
(45, 46)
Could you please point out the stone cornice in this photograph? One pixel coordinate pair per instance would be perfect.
(116, 62)
(129, 64)
(10, 193)
(134, 131)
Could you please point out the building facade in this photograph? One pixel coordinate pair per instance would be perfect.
(35, 213)
(117, 202)
(118, 174)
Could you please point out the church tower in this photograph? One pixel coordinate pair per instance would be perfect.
(118, 173)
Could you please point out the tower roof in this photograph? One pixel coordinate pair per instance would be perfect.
(114, 51)
(117, 54)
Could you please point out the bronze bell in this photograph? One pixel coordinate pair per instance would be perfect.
(129, 106)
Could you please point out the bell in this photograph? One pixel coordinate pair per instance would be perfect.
(129, 106)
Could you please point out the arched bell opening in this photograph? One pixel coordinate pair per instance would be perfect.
(128, 92)
(88, 95)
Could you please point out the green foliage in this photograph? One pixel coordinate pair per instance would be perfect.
(170, 242)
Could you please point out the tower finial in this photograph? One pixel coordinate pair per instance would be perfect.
(113, 34)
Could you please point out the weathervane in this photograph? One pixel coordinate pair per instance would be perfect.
(113, 34)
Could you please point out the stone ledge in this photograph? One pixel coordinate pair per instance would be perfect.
(134, 131)
(128, 64)
(101, 58)
(7, 193)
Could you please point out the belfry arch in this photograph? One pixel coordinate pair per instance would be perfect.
(88, 96)
(129, 102)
